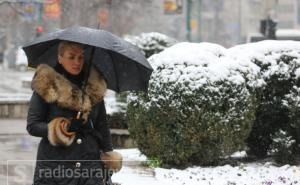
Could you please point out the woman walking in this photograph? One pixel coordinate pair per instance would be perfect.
(71, 123)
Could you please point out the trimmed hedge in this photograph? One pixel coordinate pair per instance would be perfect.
(151, 43)
(276, 109)
(190, 116)
(204, 100)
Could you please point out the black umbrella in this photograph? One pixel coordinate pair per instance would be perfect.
(123, 66)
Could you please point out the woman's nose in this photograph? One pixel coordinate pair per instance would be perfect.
(78, 61)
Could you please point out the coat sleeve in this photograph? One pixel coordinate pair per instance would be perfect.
(36, 117)
(102, 126)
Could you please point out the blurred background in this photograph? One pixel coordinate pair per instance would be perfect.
(225, 22)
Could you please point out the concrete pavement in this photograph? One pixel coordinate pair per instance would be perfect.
(13, 126)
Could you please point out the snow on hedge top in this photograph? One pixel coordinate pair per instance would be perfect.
(189, 53)
(268, 53)
(268, 46)
(150, 40)
(202, 63)
(264, 50)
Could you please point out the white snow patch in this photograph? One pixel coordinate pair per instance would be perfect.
(243, 174)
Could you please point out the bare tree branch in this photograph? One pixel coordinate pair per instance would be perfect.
(12, 4)
(9, 1)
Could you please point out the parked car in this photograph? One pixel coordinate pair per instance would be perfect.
(281, 34)
(21, 60)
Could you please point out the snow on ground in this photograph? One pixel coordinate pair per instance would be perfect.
(132, 155)
(132, 176)
(248, 174)
(244, 174)
(133, 171)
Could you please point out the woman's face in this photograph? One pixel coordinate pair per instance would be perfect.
(72, 59)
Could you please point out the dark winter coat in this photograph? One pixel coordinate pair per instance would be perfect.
(55, 96)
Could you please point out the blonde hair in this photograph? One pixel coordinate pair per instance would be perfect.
(63, 45)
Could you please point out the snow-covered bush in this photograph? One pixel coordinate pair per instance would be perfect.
(151, 43)
(199, 107)
(282, 147)
(292, 102)
(280, 65)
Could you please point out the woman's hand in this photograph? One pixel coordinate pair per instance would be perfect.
(75, 125)
(112, 160)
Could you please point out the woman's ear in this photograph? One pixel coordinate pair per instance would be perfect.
(59, 58)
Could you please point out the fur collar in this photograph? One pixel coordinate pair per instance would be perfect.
(55, 88)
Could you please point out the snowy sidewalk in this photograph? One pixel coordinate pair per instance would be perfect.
(13, 126)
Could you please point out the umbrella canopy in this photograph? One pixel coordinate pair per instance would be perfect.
(123, 66)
